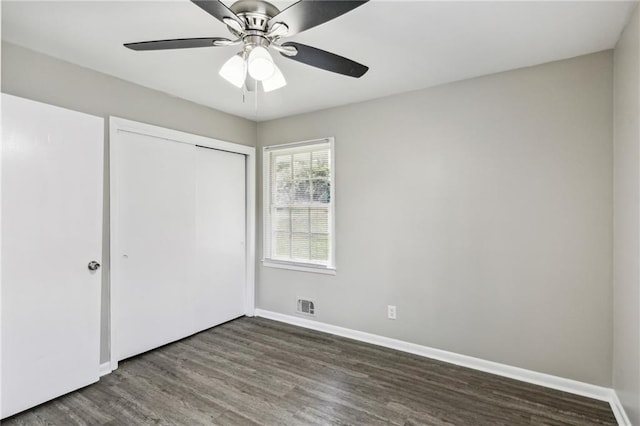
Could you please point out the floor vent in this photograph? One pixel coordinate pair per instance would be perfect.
(307, 307)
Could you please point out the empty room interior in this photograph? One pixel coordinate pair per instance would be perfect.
(320, 212)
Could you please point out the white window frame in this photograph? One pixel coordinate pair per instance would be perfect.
(266, 211)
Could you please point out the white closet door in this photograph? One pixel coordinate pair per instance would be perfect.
(221, 254)
(155, 259)
(51, 230)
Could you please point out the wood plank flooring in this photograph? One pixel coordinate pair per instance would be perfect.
(254, 371)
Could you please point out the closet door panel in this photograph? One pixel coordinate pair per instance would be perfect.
(221, 253)
(155, 261)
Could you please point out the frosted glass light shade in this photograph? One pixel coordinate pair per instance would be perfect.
(234, 71)
(274, 82)
(260, 65)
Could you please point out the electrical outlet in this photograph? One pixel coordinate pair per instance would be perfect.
(391, 312)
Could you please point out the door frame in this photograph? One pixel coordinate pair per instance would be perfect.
(118, 125)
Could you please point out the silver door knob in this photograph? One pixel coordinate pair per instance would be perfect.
(93, 265)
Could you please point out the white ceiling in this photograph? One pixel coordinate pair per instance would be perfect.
(407, 45)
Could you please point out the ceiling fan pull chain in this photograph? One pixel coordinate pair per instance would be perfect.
(255, 102)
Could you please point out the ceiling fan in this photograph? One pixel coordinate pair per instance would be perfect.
(257, 26)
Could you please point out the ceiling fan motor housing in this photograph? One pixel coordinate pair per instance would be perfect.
(255, 40)
(254, 13)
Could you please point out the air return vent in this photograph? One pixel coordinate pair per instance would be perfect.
(307, 307)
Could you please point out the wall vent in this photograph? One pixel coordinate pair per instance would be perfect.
(306, 306)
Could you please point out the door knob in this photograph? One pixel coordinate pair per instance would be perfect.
(93, 265)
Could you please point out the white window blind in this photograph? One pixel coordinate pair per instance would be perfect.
(299, 204)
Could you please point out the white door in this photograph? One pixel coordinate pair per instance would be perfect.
(154, 262)
(51, 230)
(220, 220)
(178, 240)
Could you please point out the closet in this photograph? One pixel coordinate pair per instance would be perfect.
(178, 235)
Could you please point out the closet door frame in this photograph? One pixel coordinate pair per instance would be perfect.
(118, 125)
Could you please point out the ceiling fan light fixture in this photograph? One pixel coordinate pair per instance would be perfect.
(276, 81)
(234, 71)
(260, 63)
(258, 26)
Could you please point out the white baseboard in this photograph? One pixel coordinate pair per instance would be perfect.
(618, 410)
(105, 368)
(554, 382)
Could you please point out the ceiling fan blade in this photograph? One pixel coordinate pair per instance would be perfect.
(178, 43)
(307, 14)
(218, 10)
(325, 60)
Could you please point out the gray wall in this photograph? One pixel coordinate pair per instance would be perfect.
(42, 78)
(482, 209)
(626, 257)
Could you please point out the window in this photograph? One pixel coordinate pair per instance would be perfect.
(298, 206)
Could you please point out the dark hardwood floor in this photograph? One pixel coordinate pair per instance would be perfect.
(255, 371)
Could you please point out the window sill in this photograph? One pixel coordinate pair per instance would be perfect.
(299, 267)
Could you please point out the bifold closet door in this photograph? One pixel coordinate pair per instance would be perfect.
(179, 247)
(51, 230)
